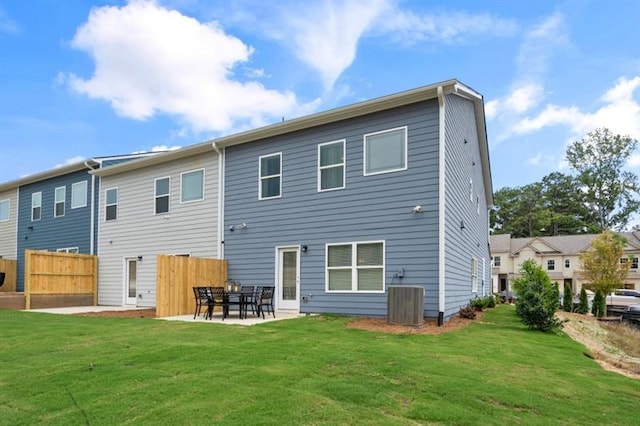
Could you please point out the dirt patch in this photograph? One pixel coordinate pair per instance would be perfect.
(429, 327)
(129, 313)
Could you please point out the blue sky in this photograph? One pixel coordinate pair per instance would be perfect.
(81, 78)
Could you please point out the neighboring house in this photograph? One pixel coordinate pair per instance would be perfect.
(559, 256)
(53, 210)
(337, 206)
(166, 204)
(8, 223)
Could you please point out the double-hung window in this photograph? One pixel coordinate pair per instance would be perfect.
(634, 263)
(79, 194)
(192, 186)
(162, 187)
(4, 210)
(497, 261)
(36, 206)
(270, 172)
(355, 267)
(59, 202)
(474, 275)
(111, 204)
(385, 151)
(331, 165)
(551, 265)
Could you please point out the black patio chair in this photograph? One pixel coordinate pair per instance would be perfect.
(203, 298)
(265, 299)
(2, 275)
(231, 298)
(218, 297)
(248, 299)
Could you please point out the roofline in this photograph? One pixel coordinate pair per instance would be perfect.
(318, 119)
(58, 171)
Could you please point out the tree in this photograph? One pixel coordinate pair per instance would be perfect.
(608, 190)
(604, 264)
(599, 306)
(568, 214)
(538, 299)
(583, 306)
(567, 299)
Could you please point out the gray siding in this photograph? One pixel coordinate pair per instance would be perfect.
(52, 233)
(189, 228)
(8, 228)
(462, 164)
(370, 208)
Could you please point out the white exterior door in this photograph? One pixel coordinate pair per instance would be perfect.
(130, 281)
(288, 269)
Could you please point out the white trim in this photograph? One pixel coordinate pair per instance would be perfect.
(203, 186)
(155, 195)
(55, 201)
(84, 199)
(354, 268)
(106, 204)
(8, 201)
(406, 148)
(260, 177)
(95, 233)
(68, 250)
(278, 297)
(343, 165)
(441, 200)
(221, 172)
(125, 282)
(474, 274)
(33, 194)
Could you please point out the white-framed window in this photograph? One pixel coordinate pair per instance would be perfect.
(497, 261)
(270, 173)
(36, 206)
(551, 265)
(474, 275)
(192, 186)
(162, 187)
(385, 151)
(60, 194)
(111, 204)
(471, 189)
(331, 165)
(567, 263)
(4, 210)
(355, 267)
(79, 194)
(634, 263)
(68, 250)
(478, 204)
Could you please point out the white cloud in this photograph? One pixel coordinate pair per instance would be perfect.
(8, 25)
(161, 148)
(535, 160)
(150, 60)
(69, 161)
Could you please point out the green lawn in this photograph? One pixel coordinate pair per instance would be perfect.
(66, 370)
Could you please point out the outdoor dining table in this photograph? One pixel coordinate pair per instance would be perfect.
(235, 297)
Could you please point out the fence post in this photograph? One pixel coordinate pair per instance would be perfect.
(95, 280)
(27, 279)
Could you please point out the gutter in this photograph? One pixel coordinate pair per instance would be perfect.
(441, 206)
(93, 209)
(221, 163)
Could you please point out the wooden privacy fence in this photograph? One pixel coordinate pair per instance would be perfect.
(9, 267)
(59, 279)
(177, 275)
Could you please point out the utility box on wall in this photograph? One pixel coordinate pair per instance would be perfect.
(405, 305)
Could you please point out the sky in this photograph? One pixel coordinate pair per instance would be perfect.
(82, 79)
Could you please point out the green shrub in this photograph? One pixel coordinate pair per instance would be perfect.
(468, 312)
(583, 306)
(491, 301)
(538, 299)
(599, 307)
(477, 303)
(567, 300)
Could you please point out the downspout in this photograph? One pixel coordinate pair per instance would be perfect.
(93, 209)
(220, 199)
(441, 206)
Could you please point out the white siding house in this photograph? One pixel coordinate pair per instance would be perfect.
(8, 223)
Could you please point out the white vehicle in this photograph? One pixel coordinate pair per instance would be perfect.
(623, 297)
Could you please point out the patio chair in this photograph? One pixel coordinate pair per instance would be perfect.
(265, 299)
(248, 299)
(203, 298)
(218, 297)
(231, 298)
(2, 275)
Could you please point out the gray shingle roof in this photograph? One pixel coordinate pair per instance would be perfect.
(564, 244)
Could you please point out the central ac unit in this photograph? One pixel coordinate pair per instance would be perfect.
(405, 305)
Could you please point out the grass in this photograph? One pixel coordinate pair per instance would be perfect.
(73, 370)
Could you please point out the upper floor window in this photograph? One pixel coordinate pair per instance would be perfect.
(474, 275)
(385, 151)
(162, 187)
(567, 263)
(634, 263)
(111, 204)
(496, 261)
(331, 165)
(79, 194)
(551, 265)
(192, 188)
(59, 202)
(270, 171)
(4, 210)
(355, 267)
(36, 206)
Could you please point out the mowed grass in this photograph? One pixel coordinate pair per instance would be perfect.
(67, 370)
